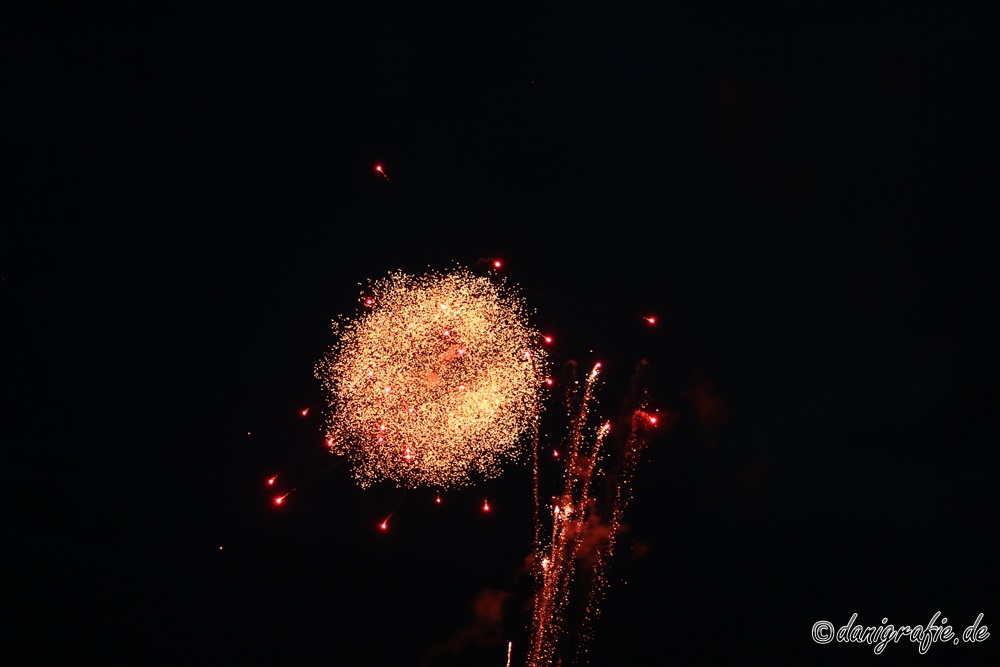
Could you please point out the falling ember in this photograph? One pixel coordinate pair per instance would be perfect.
(510, 645)
(650, 319)
(497, 264)
(443, 367)
(486, 505)
(271, 480)
(304, 412)
(280, 499)
(379, 169)
(384, 525)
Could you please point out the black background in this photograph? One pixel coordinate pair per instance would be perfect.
(806, 199)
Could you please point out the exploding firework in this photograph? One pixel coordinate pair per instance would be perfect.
(436, 383)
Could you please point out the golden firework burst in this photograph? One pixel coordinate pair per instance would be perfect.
(436, 383)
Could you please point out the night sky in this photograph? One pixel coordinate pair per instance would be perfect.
(807, 200)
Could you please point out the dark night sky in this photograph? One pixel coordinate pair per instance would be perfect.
(807, 199)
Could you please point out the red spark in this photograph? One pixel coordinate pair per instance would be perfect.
(379, 169)
(549, 381)
(304, 412)
(650, 319)
(438, 499)
(270, 480)
(384, 525)
(280, 499)
(486, 505)
(547, 339)
(497, 264)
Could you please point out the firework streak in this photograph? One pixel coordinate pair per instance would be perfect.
(574, 558)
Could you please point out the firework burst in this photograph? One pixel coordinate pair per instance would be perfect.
(436, 383)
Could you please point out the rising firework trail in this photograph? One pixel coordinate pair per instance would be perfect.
(574, 536)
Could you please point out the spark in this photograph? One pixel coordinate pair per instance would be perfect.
(443, 367)
(486, 505)
(304, 412)
(650, 319)
(379, 169)
(510, 645)
(278, 500)
(272, 480)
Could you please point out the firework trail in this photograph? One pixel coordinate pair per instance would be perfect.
(577, 553)
(436, 384)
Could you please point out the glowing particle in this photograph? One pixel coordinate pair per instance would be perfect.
(497, 264)
(486, 505)
(280, 499)
(548, 339)
(437, 499)
(650, 319)
(304, 412)
(271, 480)
(379, 169)
(384, 525)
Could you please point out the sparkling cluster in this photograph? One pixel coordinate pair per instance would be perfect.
(435, 383)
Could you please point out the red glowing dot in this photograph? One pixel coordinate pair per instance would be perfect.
(652, 420)
(555, 453)
(270, 480)
(496, 264)
(438, 499)
(486, 505)
(549, 381)
(378, 168)
(220, 547)
(279, 500)
(304, 412)
(548, 339)
(369, 302)
(650, 319)
(384, 525)
(248, 432)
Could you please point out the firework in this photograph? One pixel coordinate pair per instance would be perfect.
(436, 383)
(575, 555)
